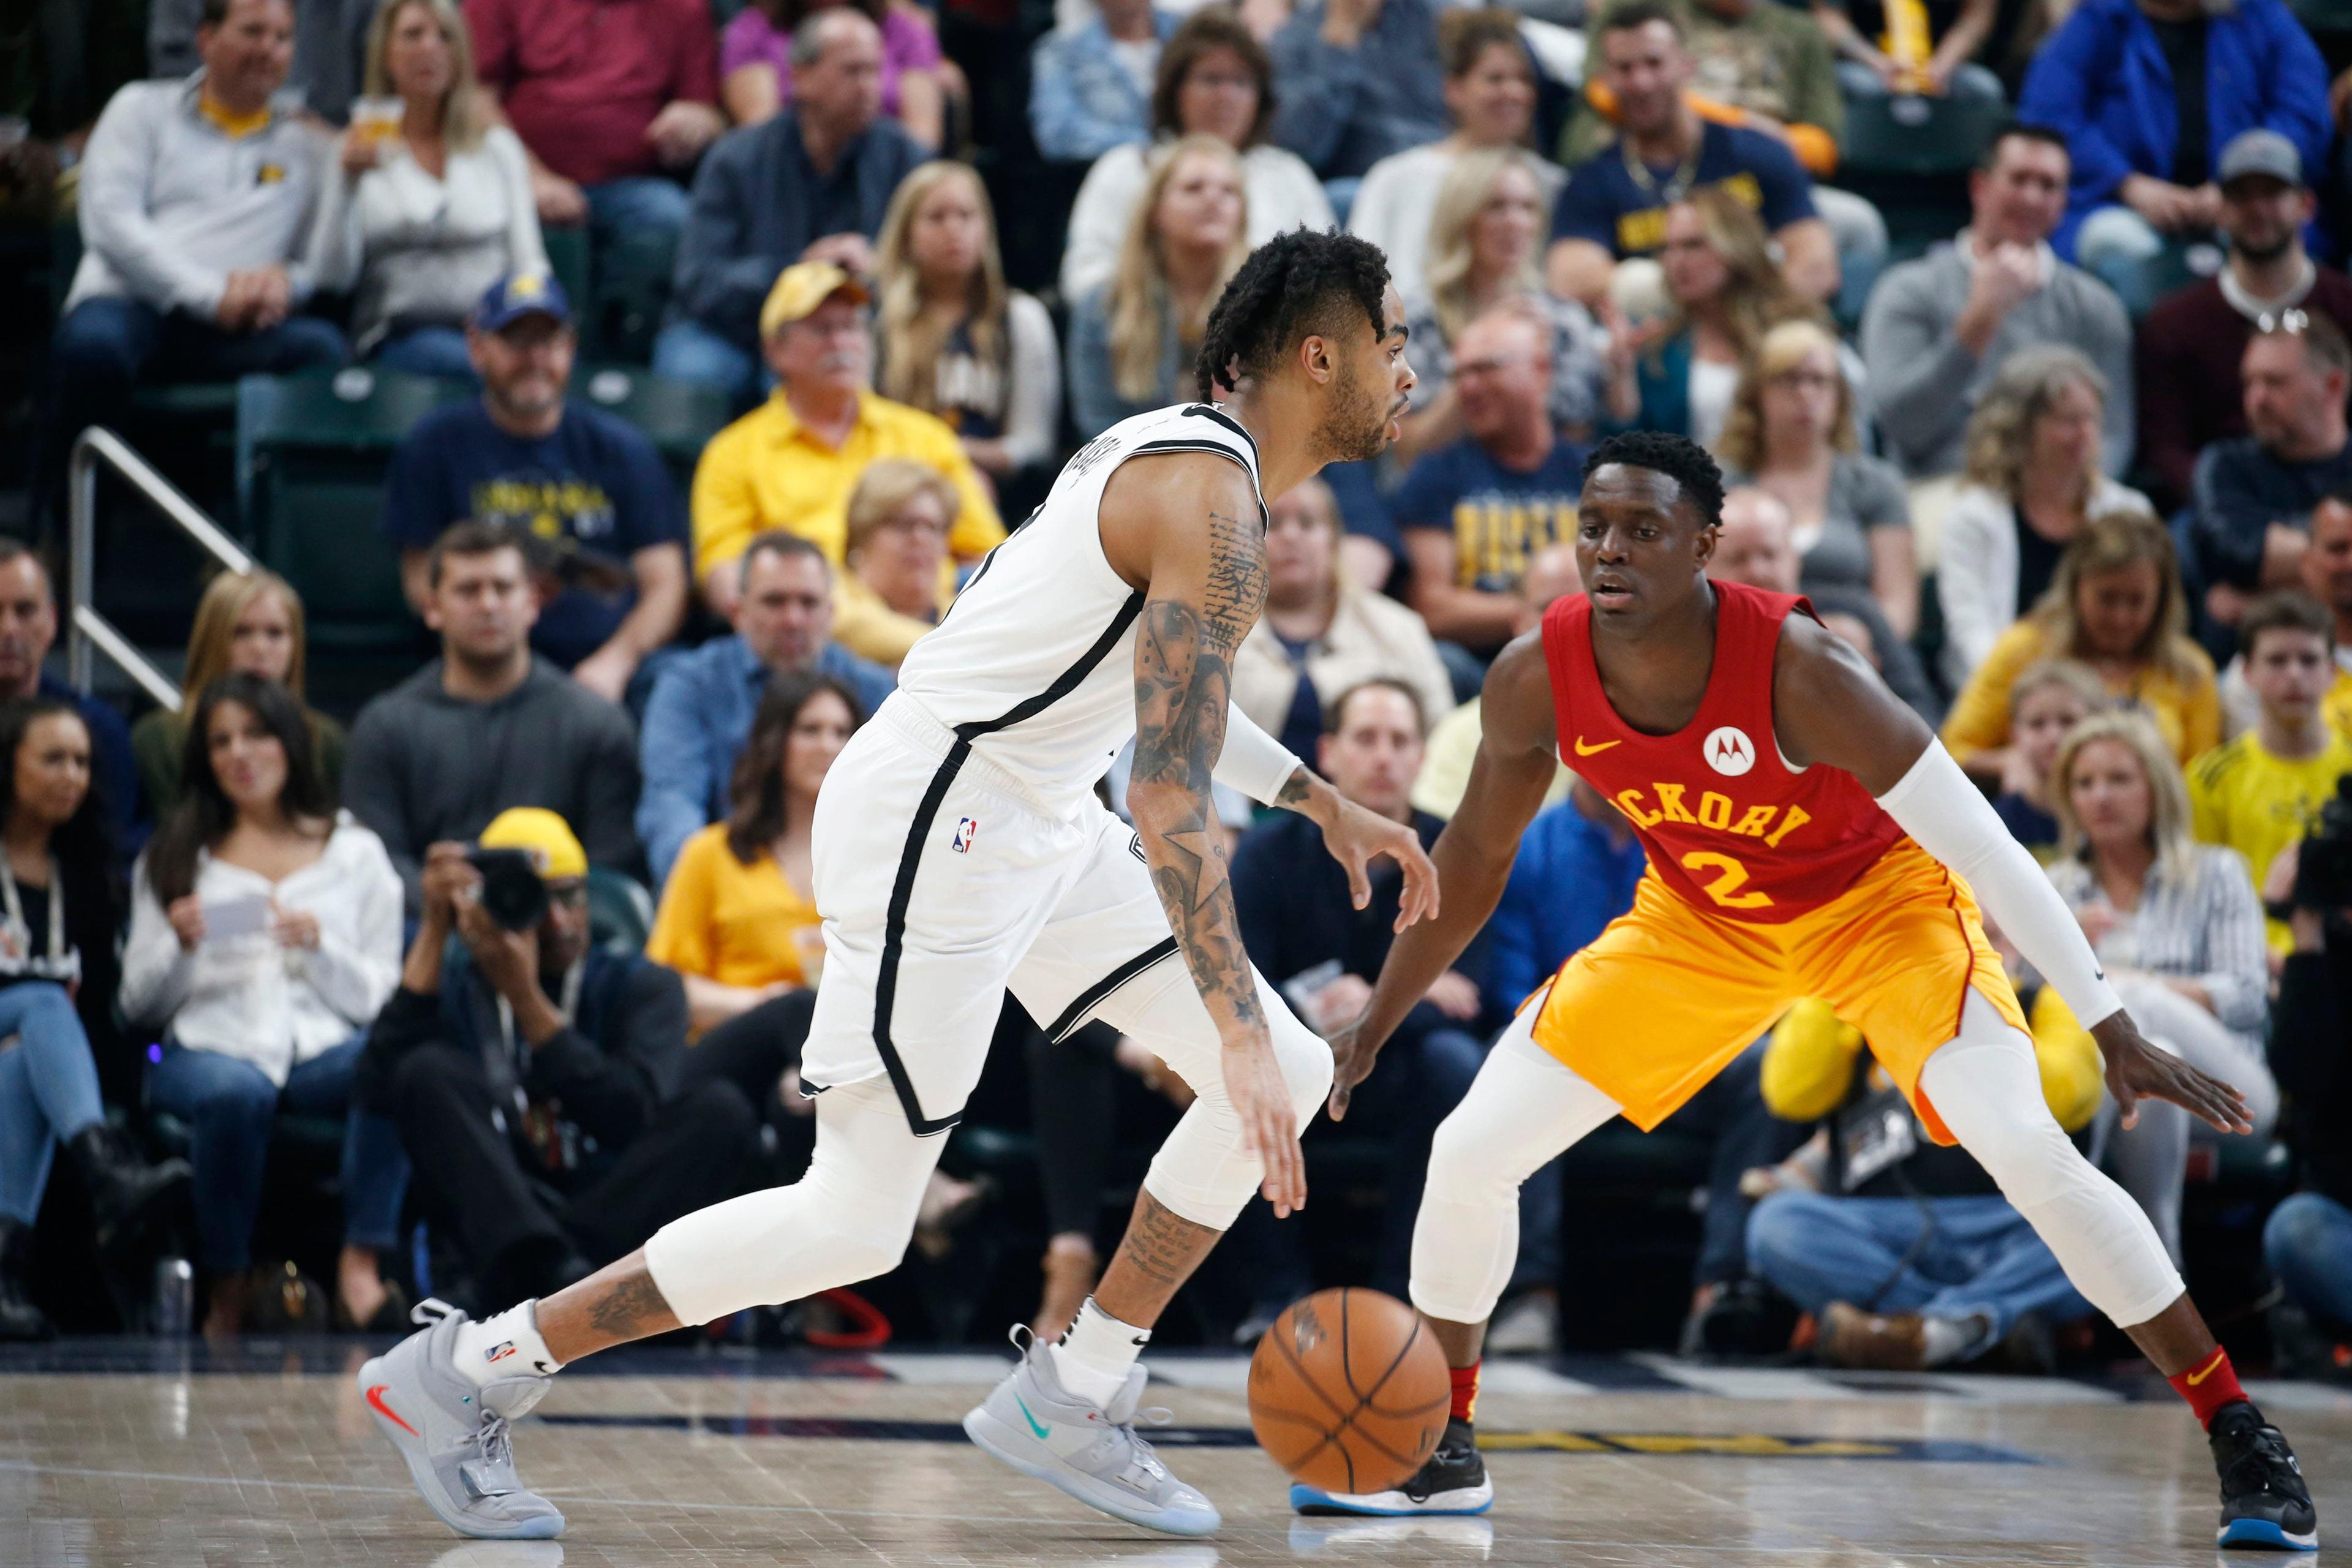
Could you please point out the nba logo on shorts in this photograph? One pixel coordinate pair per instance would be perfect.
(1728, 752)
(965, 828)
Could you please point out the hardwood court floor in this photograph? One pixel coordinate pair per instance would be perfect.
(122, 1453)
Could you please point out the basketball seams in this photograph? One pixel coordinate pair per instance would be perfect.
(1360, 1429)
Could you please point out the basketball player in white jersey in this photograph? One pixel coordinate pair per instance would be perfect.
(960, 852)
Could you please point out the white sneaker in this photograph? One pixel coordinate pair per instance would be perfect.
(453, 1435)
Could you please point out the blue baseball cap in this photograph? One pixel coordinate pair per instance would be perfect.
(521, 294)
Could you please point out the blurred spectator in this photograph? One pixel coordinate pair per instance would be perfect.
(1090, 90)
(1454, 740)
(1576, 869)
(810, 183)
(56, 876)
(2176, 927)
(2032, 481)
(612, 99)
(2191, 344)
(486, 726)
(2327, 578)
(1215, 80)
(792, 462)
(1615, 205)
(2257, 793)
(1132, 342)
(585, 485)
(1727, 293)
(196, 199)
(28, 626)
(1490, 97)
(1481, 254)
(2048, 700)
(1474, 511)
(1790, 432)
(755, 63)
(533, 1077)
(246, 623)
(2307, 1241)
(330, 44)
(1305, 934)
(704, 701)
(2115, 604)
(420, 217)
(1362, 79)
(1940, 328)
(1321, 634)
(2254, 494)
(1957, 29)
(2148, 93)
(898, 580)
(953, 340)
(265, 934)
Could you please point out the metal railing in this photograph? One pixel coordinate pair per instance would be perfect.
(87, 629)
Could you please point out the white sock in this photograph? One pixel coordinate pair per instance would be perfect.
(505, 1345)
(1094, 1358)
(1950, 1338)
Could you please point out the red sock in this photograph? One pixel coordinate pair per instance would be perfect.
(2208, 1386)
(1466, 1391)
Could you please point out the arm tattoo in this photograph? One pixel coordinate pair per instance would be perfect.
(1183, 676)
(1295, 788)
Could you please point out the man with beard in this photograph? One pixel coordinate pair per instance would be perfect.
(2190, 345)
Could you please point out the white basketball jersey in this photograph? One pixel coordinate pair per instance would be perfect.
(1035, 664)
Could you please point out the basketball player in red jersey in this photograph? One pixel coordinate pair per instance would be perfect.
(1807, 836)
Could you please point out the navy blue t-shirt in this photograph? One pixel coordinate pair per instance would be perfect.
(1500, 518)
(1603, 201)
(596, 484)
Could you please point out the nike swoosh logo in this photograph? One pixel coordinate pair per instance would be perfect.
(1036, 1426)
(375, 1398)
(2210, 1367)
(1584, 751)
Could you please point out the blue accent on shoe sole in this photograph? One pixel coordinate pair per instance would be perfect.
(1303, 1497)
(2264, 1534)
(978, 1425)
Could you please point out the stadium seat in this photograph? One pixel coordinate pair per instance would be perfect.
(679, 417)
(620, 911)
(628, 291)
(567, 257)
(1917, 135)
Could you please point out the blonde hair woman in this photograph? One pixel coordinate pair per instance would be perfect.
(2049, 700)
(2117, 604)
(2032, 480)
(1790, 432)
(953, 340)
(427, 216)
(247, 623)
(900, 579)
(1132, 341)
(1484, 241)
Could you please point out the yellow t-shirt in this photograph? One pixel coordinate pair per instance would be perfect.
(737, 924)
(2241, 795)
(2187, 713)
(767, 470)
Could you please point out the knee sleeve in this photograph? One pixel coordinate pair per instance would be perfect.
(1202, 1172)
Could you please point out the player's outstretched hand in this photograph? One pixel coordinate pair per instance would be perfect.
(1261, 1102)
(1353, 1052)
(2138, 1070)
(1355, 837)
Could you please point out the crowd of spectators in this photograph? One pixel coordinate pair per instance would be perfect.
(2075, 479)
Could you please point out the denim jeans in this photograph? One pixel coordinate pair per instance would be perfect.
(1936, 1257)
(2308, 1244)
(635, 204)
(49, 1090)
(427, 351)
(229, 1105)
(688, 350)
(1969, 81)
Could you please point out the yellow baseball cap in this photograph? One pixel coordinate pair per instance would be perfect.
(554, 849)
(800, 288)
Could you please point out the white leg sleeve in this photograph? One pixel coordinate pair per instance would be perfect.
(1523, 1109)
(1201, 1173)
(1986, 1089)
(848, 1219)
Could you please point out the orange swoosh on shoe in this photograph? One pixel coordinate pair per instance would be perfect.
(375, 1398)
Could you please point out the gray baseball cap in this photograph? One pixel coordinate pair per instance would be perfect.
(2264, 152)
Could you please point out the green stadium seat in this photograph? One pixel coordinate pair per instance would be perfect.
(628, 291)
(679, 417)
(620, 911)
(567, 257)
(1917, 135)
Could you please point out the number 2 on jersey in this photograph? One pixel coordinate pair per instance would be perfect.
(1731, 875)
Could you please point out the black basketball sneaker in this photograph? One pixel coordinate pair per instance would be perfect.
(2265, 1502)
(1453, 1481)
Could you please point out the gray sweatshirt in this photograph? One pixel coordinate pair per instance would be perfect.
(424, 766)
(1924, 384)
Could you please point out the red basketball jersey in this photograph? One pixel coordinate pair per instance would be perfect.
(1727, 824)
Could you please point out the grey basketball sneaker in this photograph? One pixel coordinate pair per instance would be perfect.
(454, 1436)
(1090, 1451)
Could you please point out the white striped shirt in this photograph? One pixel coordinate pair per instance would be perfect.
(2205, 925)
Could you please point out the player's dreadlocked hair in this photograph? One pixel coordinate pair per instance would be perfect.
(1296, 283)
(1678, 458)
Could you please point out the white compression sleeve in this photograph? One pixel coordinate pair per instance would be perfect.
(1252, 762)
(1949, 818)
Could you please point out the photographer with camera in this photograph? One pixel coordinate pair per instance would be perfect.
(2308, 1241)
(534, 1077)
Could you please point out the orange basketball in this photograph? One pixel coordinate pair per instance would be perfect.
(1348, 1391)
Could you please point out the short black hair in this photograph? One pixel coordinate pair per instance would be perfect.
(1629, 16)
(476, 536)
(1678, 458)
(2019, 131)
(1298, 283)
